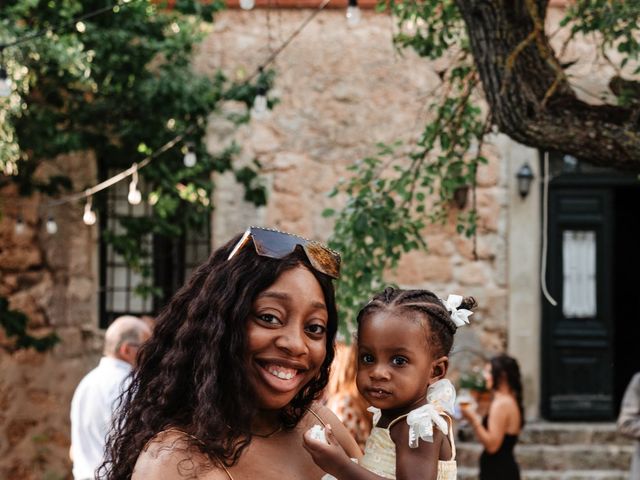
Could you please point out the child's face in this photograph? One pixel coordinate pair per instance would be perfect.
(286, 338)
(395, 363)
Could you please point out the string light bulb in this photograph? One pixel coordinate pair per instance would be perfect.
(190, 159)
(134, 197)
(89, 216)
(20, 226)
(353, 13)
(5, 83)
(247, 4)
(260, 104)
(52, 226)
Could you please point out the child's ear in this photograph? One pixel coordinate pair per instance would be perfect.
(439, 368)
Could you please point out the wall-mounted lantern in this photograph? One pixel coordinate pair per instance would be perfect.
(525, 177)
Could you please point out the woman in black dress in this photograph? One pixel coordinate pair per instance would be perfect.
(498, 432)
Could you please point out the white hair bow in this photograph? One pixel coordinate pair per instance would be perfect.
(459, 316)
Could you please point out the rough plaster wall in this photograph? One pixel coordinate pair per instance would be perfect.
(52, 279)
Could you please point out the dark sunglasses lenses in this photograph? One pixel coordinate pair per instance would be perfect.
(273, 244)
(269, 243)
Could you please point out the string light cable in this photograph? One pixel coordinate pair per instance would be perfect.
(271, 58)
(133, 169)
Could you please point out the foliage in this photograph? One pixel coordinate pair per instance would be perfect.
(617, 22)
(14, 324)
(473, 380)
(121, 85)
(390, 198)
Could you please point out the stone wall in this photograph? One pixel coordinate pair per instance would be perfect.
(52, 279)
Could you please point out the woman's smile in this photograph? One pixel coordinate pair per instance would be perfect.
(286, 338)
(280, 376)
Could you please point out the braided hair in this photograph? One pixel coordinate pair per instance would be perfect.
(441, 326)
(505, 368)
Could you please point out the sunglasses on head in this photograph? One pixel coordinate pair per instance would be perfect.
(275, 244)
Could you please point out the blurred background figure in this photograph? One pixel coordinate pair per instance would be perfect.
(342, 395)
(499, 430)
(629, 421)
(149, 320)
(96, 396)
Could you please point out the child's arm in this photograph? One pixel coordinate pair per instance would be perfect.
(332, 458)
(420, 463)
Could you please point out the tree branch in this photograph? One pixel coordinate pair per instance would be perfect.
(529, 95)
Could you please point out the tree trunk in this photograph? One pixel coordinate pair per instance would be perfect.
(518, 71)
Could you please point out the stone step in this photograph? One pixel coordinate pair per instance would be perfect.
(465, 473)
(557, 457)
(546, 433)
(572, 433)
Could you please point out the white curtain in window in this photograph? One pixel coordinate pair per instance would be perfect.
(579, 267)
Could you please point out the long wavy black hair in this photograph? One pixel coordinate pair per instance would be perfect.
(191, 376)
(506, 368)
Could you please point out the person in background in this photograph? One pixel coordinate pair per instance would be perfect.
(149, 320)
(342, 394)
(629, 421)
(499, 430)
(96, 396)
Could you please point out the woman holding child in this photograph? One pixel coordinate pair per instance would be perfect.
(225, 388)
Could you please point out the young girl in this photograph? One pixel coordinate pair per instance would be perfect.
(404, 337)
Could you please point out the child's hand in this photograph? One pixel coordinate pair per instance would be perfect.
(329, 456)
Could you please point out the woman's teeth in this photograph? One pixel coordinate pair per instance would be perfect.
(281, 372)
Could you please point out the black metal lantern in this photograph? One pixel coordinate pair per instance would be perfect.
(525, 177)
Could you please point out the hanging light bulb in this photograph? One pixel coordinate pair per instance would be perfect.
(247, 4)
(260, 104)
(134, 197)
(190, 159)
(89, 216)
(353, 13)
(5, 83)
(52, 226)
(20, 226)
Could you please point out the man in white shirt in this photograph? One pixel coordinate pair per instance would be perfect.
(95, 398)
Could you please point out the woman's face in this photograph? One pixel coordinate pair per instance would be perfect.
(286, 338)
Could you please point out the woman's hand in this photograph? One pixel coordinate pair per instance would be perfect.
(329, 456)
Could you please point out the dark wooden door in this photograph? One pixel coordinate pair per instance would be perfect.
(577, 333)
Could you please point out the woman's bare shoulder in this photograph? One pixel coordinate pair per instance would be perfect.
(325, 414)
(501, 402)
(170, 455)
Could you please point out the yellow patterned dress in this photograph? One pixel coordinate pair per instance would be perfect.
(380, 451)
